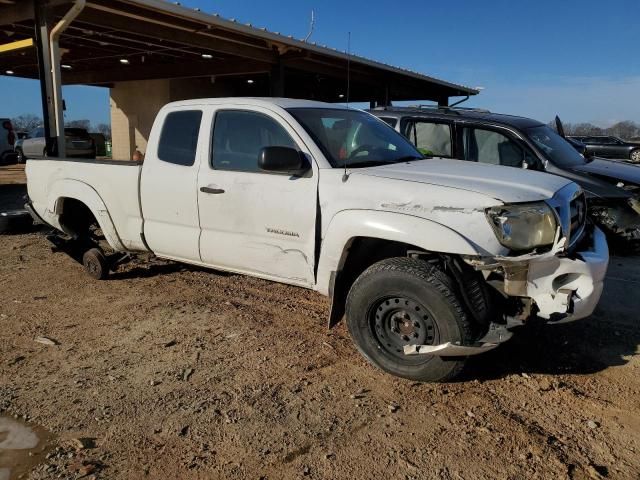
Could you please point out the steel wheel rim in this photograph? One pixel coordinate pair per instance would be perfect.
(93, 267)
(397, 321)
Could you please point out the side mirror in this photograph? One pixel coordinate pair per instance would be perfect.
(283, 160)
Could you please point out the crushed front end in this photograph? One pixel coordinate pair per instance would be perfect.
(563, 283)
(618, 217)
(559, 281)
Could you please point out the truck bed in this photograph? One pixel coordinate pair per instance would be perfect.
(110, 185)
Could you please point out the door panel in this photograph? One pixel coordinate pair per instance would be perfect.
(253, 221)
(168, 186)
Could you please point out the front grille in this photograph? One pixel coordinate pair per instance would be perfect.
(578, 215)
(571, 206)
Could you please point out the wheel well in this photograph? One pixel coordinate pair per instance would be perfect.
(76, 218)
(360, 254)
(365, 251)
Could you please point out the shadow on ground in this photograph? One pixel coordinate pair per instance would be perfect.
(148, 269)
(606, 339)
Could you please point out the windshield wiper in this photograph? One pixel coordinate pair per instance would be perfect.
(377, 163)
(410, 158)
(370, 163)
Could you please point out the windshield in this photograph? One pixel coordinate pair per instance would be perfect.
(354, 138)
(555, 148)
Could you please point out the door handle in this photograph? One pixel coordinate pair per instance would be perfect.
(211, 190)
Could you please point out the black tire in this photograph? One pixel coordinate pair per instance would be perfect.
(394, 293)
(15, 221)
(634, 156)
(20, 158)
(95, 264)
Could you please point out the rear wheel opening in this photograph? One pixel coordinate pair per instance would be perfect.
(405, 301)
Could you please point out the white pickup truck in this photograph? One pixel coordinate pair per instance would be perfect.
(431, 260)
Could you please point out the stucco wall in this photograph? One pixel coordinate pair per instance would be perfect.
(134, 106)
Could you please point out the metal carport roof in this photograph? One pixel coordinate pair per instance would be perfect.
(122, 40)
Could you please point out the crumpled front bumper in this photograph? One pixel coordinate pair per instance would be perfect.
(562, 288)
(568, 288)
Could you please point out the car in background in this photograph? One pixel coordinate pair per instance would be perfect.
(608, 146)
(79, 144)
(17, 146)
(612, 187)
(101, 144)
(7, 140)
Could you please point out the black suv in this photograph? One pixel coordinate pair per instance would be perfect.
(613, 188)
(610, 147)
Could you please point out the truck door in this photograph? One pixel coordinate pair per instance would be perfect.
(253, 221)
(168, 189)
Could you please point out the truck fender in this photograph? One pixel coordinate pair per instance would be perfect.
(84, 193)
(347, 225)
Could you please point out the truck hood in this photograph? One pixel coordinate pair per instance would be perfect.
(506, 184)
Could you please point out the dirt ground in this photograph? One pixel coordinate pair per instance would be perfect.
(172, 372)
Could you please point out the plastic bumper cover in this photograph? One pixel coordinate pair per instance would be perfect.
(569, 288)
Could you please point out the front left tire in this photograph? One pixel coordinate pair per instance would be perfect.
(405, 301)
(635, 156)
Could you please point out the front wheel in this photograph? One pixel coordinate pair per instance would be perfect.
(405, 301)
(635, 156)
(20, 158)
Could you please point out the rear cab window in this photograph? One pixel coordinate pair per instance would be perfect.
(179, 137)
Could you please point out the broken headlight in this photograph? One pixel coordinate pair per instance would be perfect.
(524, 226)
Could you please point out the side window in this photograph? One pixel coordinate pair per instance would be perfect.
(238, 137)
(430, 138)
(390, 121)
(488, 146)
(179, 137)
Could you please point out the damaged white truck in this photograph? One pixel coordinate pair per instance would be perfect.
(431, 260)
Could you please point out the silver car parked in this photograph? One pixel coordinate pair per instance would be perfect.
(78, 144)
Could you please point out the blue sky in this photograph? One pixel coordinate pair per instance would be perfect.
(577, 58)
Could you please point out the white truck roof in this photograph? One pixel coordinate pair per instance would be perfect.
(258, 101)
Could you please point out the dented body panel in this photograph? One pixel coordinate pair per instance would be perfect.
(299, 229)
